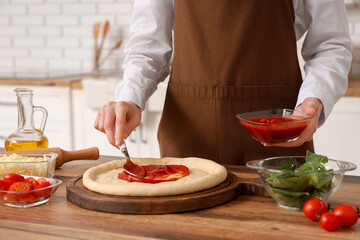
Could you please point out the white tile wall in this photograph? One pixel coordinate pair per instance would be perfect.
(4, 20)
(57, 34)
(5, 42)
(28, 42)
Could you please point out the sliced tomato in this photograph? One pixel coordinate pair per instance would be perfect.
(29, 199)
(5, 184)
(14, 176)
(41, 180)
(43, 193)
(32, 181)
(22, 188)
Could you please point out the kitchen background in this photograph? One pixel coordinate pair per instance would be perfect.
(53, 39)
(56, 35)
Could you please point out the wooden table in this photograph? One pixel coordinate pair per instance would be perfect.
(246, 217)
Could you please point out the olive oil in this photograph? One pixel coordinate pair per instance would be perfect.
(26, 136)
(17, 145)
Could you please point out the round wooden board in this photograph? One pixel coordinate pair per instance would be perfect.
(79, 195)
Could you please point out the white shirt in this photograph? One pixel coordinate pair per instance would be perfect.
(326, 50)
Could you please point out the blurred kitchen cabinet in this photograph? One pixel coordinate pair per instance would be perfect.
(339, 137)
(56, 100)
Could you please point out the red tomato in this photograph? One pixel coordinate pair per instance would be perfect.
(29, 199)
(5, 184)
(347, 215)
(41, 180)
(329, 221)
(20, 187)
(14, 176)
(9, 198)
(32, 181)
(45, 193)
(313, 208)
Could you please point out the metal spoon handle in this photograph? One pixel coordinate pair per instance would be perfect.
(124, 150)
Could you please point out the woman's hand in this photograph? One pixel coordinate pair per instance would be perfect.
(312, 106)
(117, 120)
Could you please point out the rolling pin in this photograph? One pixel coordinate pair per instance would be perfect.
(67, 156)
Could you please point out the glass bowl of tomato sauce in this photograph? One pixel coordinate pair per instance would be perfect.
(275, 125)
(24, 191)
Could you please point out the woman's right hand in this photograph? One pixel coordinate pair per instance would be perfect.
(117, 120)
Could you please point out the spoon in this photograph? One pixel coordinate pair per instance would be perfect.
(130, 167)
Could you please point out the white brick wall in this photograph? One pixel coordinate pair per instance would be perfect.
(82, 8)
(28, 42)
(5, 42)
(4, 20)
(43, 35)
(27, 20)
(43, 31)
(57, 34)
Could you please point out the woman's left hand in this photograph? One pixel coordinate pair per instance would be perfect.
(312, 106)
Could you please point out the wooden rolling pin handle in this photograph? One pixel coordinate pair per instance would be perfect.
(88, 154)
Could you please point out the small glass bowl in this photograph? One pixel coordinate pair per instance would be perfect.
(30, 198)
(275, 125)
(31, 167)
(281, 184)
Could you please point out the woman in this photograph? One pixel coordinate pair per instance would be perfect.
(230, 56)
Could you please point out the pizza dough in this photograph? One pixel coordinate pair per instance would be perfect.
(204, 174)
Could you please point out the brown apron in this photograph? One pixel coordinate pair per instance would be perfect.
(230, 57)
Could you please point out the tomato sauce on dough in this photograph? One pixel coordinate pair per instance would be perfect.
(157, 174)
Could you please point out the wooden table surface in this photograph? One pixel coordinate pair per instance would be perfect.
(246, 217)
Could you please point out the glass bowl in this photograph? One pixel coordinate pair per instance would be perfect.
(30, 198)
(34, 164)
(291, 189)
(275, 125)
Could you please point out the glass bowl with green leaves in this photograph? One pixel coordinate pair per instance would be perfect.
(292, 180)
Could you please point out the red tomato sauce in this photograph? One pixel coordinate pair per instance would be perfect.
(275, 129)
(157, 174)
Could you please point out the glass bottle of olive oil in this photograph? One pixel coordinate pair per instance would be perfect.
(27, 136)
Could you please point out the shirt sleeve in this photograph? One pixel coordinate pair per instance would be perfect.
(148, 51)
(326, 50)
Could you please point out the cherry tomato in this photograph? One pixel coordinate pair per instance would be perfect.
(14, 176)
(329, 221)
(347, 215)
(21, 187)
(29, 199)
(41, 180)
(5, 184)
(44, 193)
(9, 198)
(313, 208)
(32, 181)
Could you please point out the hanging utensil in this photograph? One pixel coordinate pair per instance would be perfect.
(96, 29)
(99, 50)
(108, 55)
